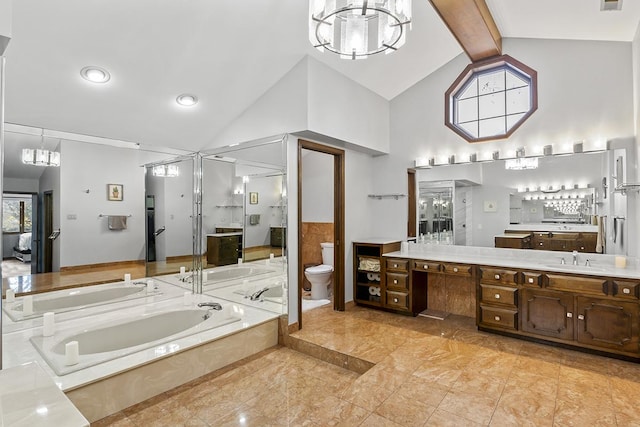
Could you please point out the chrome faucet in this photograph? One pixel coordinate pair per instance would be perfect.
(257, 294)
(562, 261)
(139, 282)
(187, 278)
(587, 263)
(211, 305)
(575, 257)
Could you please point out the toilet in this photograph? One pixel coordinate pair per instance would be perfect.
(320, 275)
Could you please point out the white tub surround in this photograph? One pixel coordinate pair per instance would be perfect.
(30, 398)
(89, 300)
(153, 329)
(19, 348)
(600, 265)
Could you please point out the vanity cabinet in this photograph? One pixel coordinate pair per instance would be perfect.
(498, 298)
(278, 237)
(224, 249)
(369, 276)
(607, 323)
(547, 313)
(553, 241)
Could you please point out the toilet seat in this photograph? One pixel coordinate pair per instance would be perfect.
(318, 269)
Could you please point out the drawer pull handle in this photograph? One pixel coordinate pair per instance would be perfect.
(395, 281)
(395, 265)
(626, 291)
(497, 318)
(497, 277)
(530, 279)
(455, 269)
(395, 300)
(569, 314)
(425, 266)
(497, 296)
(540, 243)
(580, 317)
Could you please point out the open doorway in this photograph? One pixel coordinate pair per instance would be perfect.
(19, 234)
(324, 224)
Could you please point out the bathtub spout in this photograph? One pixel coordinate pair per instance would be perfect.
(188, 278)
(212, 305)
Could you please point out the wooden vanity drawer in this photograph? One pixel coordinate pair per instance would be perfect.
(458, 269)
(594, 286)
(397, 264)
(625, 289)
(531, 278)
(397, 280)
(499, 276)
(499, 295)
(426, 266)
(398, 300)
(503, 318)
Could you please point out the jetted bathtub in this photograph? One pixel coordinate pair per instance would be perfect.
(103, 343)
(77, 298)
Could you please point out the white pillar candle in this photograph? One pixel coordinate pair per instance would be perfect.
(621, 262)
(48, 324)
(271, 256)
(27, 305)
(10, 296)
(127, 278)
(183, 270)
(187, 300)
(239, 260)
(205, 276)
(150, 285)
(71, 353)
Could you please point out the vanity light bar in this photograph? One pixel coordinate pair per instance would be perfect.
(520, 153)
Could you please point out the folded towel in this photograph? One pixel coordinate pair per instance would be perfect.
(117, 222)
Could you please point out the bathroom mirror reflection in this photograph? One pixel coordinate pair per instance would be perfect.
(479, 202)
(71, 216)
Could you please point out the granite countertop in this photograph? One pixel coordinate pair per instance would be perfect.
(30, 398)
(601, 265)
(514, 235)
(586, 228)
(237, 233)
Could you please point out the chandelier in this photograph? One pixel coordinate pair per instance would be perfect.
(40, 156)
(355, 29)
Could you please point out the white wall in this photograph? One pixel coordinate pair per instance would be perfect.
(314, 98)
(86, 239)
(575, 103)
(269, 191)
(317, 178)
(218, 186)
(20, 185)
(5, 24)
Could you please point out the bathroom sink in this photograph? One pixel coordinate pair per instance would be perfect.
(571, 267)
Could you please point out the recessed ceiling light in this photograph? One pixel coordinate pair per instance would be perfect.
(187, 100)
(95, 74)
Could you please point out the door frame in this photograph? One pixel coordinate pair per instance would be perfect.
(338, 223)
(47, 206)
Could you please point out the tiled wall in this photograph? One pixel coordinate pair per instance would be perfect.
(314, 233)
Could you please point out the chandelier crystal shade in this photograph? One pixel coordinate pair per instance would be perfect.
(40, 157)
(355, 29)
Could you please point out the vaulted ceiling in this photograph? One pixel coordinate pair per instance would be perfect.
(228, 53)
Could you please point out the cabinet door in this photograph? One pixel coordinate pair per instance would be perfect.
(547, 313)
(607, 323)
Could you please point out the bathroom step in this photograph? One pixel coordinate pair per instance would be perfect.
(357, 365)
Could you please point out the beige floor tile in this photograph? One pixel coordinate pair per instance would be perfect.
(520, 409)
(580, 413)
(475, 383)
(475, 408)
(375, 420)
(405, 410)
(625, 420)
(442, 418)
(423, 391)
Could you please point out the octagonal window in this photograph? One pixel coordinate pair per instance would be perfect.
(490, 99)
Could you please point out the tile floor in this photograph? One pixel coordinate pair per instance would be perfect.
(427, 373)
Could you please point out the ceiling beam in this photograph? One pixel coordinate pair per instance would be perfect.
(471, 23)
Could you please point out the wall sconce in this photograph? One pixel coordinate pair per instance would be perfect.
(452, 159)
(520, 152)
(473, 158)
(578, 147)
(547, 150)
(495, 155)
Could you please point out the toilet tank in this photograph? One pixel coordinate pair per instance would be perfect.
(327, 253)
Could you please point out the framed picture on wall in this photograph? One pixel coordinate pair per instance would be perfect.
(253, 198)
(115, 192)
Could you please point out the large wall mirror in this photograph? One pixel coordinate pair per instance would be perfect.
(80, 223)
(471, 204)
